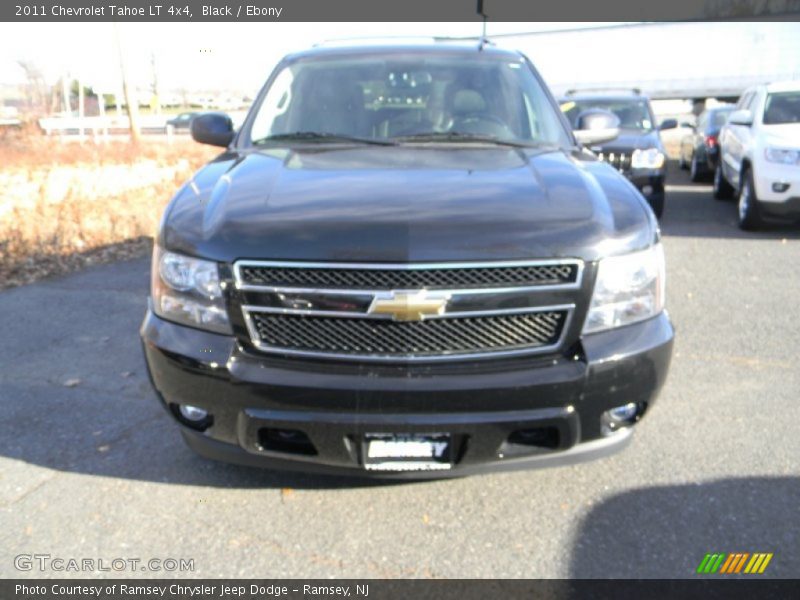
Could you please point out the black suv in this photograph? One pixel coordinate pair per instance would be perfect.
(404, 264)
(637, 152)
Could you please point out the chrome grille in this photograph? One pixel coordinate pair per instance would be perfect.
(393, 339)
(619, 160)
(364, 277)
(401, 312)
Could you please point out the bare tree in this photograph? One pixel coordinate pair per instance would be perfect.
(35, 88)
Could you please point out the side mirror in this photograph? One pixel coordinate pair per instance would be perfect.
(595, 126)
(668, 124)
(214, 128)
(741, 117)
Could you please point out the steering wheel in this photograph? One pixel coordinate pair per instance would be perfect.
(475, 117)
(482, 124)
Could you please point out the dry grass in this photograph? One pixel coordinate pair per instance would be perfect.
(64, 205)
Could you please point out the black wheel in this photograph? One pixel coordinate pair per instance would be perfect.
(749, 214)
(695, 171)
(722, 189)
(656, 202)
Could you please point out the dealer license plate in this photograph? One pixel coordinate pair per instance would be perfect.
(407, 452)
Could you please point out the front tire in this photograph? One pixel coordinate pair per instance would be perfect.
(656, 202)
(695, 172)
(722, 189)
(749, 213)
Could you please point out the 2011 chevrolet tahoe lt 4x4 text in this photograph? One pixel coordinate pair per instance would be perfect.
(404, 264)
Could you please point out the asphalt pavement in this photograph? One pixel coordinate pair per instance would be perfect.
(91, 467)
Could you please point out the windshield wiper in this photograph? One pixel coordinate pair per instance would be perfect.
(458, 136)
(319, 136)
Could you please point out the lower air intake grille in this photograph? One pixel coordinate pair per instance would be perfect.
(357, 337)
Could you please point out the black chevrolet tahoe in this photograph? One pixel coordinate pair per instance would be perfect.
(404, 264)
(637, 152)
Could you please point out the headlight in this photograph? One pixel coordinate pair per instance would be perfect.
(652, 158)
(628, 289)
(779, 155)
(188, 291)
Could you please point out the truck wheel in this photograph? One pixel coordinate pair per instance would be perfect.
(722, 189)
(749, 215)
(695, 172)
(656, 201)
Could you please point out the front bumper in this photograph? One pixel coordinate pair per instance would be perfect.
(479, 404)
(784, 203)
(650, 182)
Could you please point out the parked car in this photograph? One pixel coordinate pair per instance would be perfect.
(699, 150)
(404, 264)
(181, 122)
(760, 155)
(637, 152)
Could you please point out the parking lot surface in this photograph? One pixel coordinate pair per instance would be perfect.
(91, 467)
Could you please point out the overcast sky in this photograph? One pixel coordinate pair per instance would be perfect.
(194, 55)
(239, 56)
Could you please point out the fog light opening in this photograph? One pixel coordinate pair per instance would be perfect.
(192, 413)
(780, 187)
(192, 416)
(621, 417)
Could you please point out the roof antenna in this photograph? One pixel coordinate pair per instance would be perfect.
(485, 17)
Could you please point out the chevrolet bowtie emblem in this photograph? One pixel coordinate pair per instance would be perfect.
(409, 306)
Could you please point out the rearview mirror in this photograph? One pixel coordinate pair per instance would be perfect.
(595, 126)
(214, 128)
(741, 117)
(668, 124)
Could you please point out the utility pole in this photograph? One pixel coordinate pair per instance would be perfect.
(131, 102)
(81, 111)
(101, 107)
(156, 96)
(65, 93)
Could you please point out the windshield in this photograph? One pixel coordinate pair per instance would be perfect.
(632, 114)
(408, 97)
(782, 108)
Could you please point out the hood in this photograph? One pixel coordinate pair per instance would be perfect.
(629, 140)
(406, 203)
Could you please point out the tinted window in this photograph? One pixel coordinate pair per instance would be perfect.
(395, 95)
(783, 107)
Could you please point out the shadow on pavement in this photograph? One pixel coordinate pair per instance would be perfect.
(691, 211)
(74, 392)
(664, 532)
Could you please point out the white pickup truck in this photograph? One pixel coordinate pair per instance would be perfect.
(760, 155)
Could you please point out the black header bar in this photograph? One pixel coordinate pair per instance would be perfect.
(705, 588)
(393, 10)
